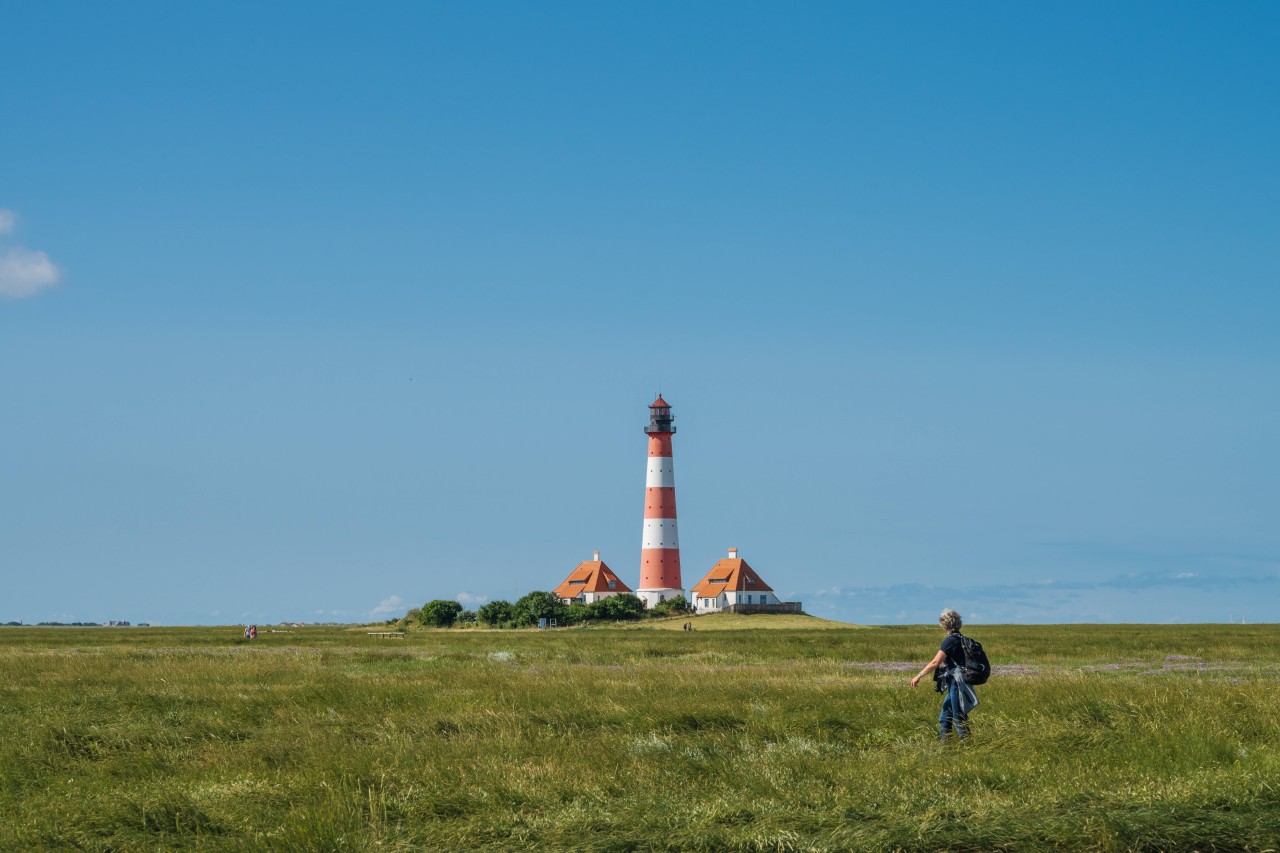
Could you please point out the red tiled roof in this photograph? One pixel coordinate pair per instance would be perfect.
(729, 574)
(660, 402)
(590, 576)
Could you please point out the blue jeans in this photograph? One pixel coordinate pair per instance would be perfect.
(952, 718)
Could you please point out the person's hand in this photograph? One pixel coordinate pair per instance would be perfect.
(915, 681)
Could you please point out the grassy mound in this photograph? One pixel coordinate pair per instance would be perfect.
(740, 621)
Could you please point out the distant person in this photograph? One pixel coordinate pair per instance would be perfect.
(958, 697)
(246, 632)
(253, 632)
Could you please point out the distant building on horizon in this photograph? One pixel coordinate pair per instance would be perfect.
(591, 581)
(733, 586)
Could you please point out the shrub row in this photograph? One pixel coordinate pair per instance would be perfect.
(539, 605)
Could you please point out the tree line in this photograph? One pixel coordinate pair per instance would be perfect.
(539, 605)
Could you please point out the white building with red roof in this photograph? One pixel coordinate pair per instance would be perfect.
(732, 583)
(591, 581)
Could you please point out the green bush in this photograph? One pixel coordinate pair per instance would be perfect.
(496, 613)
(577, 613)
(439, 613)
(617, 607)
(674, 606)
(539, 605)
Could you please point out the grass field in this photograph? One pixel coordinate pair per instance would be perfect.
(724, 738)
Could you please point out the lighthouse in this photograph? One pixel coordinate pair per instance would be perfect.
(660, 553)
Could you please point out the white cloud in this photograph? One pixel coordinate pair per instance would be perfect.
(25, 273)
(1186, 574)
(470, 599)
(392, 604)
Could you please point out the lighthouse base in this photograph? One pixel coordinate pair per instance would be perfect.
(654, 597)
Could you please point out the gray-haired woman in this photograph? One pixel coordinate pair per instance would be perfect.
(959, 697)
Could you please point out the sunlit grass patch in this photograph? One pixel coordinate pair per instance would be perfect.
(741, 621)
(1095, 737)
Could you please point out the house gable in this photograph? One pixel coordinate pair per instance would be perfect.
(591, 576)
(730, 582)
(730, 575)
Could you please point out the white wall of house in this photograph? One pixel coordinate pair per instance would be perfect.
(724, 599)
(588, 597)
(742, 596)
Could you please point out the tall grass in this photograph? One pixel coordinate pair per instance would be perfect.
(1088, 737)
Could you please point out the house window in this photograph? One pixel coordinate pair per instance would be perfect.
(612, 584)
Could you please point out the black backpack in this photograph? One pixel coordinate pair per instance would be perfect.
(976, 669)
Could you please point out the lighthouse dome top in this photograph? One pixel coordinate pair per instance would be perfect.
(661, 421)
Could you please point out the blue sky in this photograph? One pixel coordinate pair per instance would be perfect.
(310, 312)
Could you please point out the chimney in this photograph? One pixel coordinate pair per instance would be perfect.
(733, 553)
(595, 555)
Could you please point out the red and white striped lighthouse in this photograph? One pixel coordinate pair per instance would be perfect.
(660, 553)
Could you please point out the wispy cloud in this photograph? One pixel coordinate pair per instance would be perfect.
(470, 599)
(389, 606)
(23, 272)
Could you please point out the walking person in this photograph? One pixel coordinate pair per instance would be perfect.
(958, 697)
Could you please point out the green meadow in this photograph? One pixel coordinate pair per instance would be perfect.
(729, 737)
